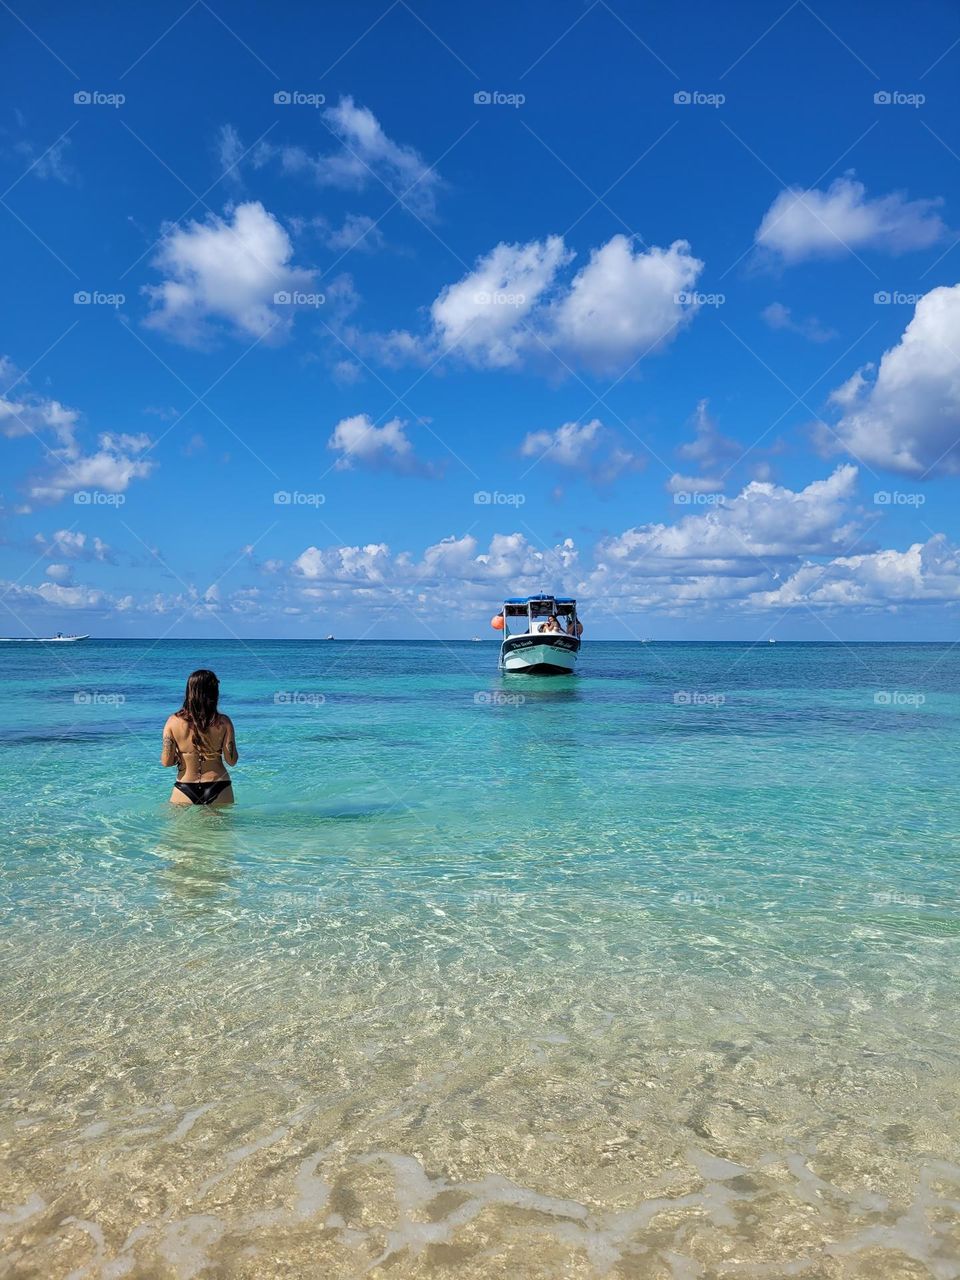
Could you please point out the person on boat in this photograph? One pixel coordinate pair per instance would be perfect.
(197, 739)
(575, 627)
(551, 625)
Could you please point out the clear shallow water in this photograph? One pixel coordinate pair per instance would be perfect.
(650, 972)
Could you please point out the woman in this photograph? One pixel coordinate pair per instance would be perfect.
(197, 740)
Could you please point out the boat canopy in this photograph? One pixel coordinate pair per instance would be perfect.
(539, 606)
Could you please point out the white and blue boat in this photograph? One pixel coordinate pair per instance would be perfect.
(532, 643)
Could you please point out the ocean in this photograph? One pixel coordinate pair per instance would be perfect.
(646, 972)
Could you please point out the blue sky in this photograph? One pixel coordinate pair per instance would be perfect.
(393, 309)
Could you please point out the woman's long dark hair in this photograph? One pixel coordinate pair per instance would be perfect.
(200, 704)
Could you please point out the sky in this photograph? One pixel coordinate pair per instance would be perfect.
(353, 319)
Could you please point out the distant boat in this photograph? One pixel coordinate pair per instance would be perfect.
(475, 639)
(329, 637)
(57, 639)
(771, 642)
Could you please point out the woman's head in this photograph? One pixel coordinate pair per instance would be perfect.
(200, 701)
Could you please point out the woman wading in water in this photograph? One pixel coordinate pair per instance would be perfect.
(197, 740)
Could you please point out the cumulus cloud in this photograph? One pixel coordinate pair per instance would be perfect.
(68, 466)
(764, 524)
(110, 468)
(803, 224)
(360, 443)
(587, 447)
(71, 544)
(906, 417)
(225, 271)
(22, 412)
(514, 309)
(926, 573)
(624, 304)
(509, 562)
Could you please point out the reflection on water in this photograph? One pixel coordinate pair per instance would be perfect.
(595, 983)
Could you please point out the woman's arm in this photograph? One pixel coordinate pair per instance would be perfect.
(230, 742)
(169, 752)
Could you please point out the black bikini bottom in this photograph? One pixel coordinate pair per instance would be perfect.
(203, 792)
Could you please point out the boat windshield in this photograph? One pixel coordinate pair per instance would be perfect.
(533, 616)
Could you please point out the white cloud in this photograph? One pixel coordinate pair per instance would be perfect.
(693, 484)
(357, 231)
(624, 303)
(59, 572)
(926, 573)
(908, 417)
(359, 442)
(779, 316)
(108, 469)
(22, 412)
(483, 315)
(225, 270)
(71, 544)
(365, 156)
(807, 224)
(588, 447)
(764, 524)
(514, 310)
(568, 446)
(375, 575)
(709, 449)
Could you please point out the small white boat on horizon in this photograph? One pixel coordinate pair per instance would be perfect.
(57, 639)
(539, 645)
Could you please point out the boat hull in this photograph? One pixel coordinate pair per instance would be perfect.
(42, 639)
(541, 655)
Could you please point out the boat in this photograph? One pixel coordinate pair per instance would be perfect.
(57, 639)
(330, 637)
(529, 649)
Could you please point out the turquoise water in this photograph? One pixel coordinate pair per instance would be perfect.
(649, 971)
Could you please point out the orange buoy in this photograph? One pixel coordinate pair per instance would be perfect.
(497, 622)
